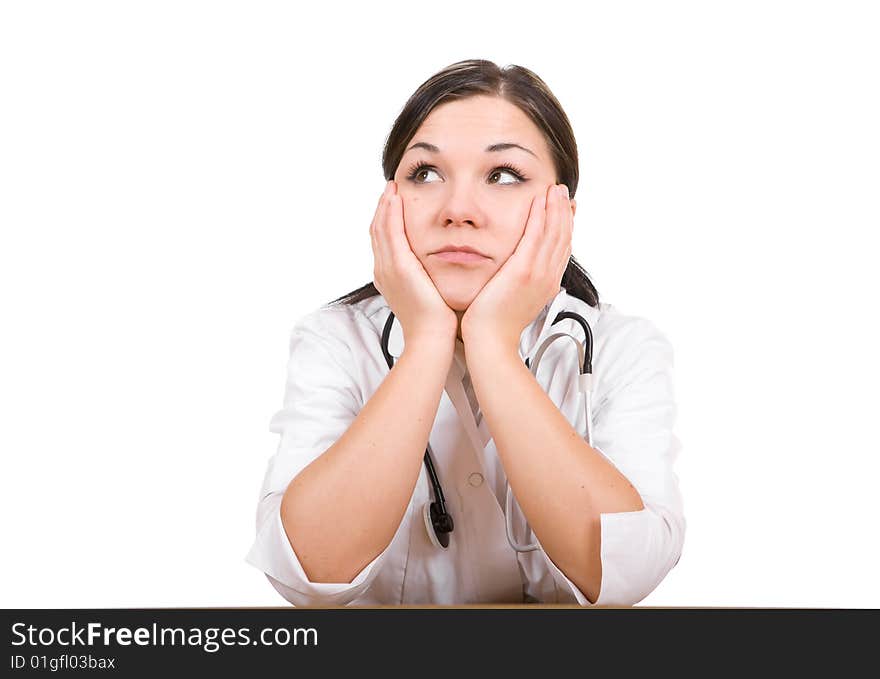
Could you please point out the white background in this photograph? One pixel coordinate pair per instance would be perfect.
(181, 181)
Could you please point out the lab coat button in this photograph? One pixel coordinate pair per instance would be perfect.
(475, 479)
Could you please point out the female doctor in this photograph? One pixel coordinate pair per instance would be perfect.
(460, 475)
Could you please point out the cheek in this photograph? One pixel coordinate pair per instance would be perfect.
(414, 206)
(507, 214)
(513, 213)
(415, 223)
(514, 227)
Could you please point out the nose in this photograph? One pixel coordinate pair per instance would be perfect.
(461, 207)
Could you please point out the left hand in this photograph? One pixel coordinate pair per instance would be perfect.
(530, 277)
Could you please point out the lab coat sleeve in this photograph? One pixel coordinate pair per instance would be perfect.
(321, 400)
(633, 428)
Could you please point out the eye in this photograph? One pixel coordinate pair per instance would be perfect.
(507, 169)
(417, 169)
(422, 167)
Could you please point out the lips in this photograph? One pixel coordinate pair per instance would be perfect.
(459, 248)
(460, 257)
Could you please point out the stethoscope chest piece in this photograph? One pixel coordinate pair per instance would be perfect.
(437, 524)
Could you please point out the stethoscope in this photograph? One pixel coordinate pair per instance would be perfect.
(438, 520)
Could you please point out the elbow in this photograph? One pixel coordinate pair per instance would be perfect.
(312, 599)
(639, 549)
(273, 554)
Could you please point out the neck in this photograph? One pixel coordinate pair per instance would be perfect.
(460, 314)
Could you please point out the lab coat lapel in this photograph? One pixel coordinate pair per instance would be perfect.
(478, 436)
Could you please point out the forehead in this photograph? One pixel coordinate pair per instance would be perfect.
(470, 125)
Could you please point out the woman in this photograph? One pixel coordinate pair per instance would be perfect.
(485, 159)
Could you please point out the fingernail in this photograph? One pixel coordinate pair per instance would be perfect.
(563, 190)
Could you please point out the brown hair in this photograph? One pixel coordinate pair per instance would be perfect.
(515, 84)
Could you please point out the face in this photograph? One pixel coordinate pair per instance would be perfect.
(462, 194)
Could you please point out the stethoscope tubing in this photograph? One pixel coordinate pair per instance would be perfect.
(584, 386)
(436, 515)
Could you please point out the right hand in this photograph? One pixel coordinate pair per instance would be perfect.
(400, 277)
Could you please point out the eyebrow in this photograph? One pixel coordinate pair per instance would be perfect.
(492, 148)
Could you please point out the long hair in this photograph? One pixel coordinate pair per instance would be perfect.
(519, 86)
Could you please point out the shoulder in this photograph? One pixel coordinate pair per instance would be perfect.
(628, 347)
(623, 330)
(611, 327)
(343, 328)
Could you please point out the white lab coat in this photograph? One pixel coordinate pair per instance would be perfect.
(336, 364)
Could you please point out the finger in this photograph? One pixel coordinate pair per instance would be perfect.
(564, 228)
(379, 207)
(377, 219)
(381, 247)
(534, 230)
(547, 251)
(569, 234)
(394, 228)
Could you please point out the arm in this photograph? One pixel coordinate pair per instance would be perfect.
(362, 484)
(565, 488)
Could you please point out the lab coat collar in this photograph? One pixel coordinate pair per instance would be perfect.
(532, 335)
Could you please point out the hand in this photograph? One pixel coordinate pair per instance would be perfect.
(400, 277)
(530, 277)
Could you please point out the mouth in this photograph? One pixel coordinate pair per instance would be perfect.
(452, 247)
(460, 256)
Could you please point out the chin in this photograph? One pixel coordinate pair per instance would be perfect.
(458, 288)
(459, 296)
(457, 304)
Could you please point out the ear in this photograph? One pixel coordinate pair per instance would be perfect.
(573, 207)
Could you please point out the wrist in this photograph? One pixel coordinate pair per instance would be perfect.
(478, 341)
(433, 342)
